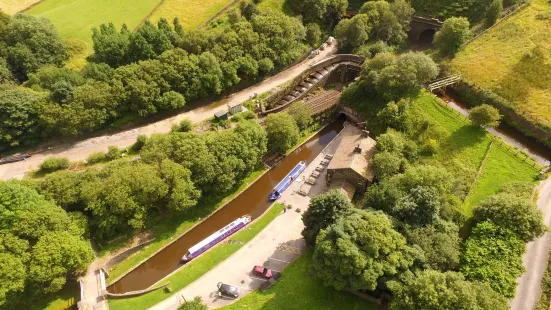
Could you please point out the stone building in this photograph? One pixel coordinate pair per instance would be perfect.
(351, 167)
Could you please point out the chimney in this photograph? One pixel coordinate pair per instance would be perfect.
(365, 133)
(358, 149)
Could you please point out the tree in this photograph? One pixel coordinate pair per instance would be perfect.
(493, 13)
(327, 12)
(18, 118)
(195, 304)
(182, 193)
(433, 290)
(440, 243)
(386, 164)
(63, 187)
(313, 34)
(265, 65)
(353, 33)
(282, 131)
(485, 115)
(301, 113)
(323, 210)
(13, 274)
(32, 43)
(421, 206)
(516, 214)
(360, 250)
(111, 46)
(493, 254)
(453, 34)
(384, 20)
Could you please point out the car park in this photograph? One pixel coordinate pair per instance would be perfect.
(228, 290)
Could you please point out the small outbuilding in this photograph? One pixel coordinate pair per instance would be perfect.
(221, 115)
(351, 165)
(235, 108)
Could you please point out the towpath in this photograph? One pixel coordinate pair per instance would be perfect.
(81, 150)
(275, 247)
(535, 259)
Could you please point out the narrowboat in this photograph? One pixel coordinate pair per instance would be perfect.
(216, 237)
(287, 181)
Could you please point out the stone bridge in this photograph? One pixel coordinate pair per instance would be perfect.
(422, 29)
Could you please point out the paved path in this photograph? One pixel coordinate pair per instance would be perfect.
(91, 288)
(275, 247)
(81, 150)
(535, 259)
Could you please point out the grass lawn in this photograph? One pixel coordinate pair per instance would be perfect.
(13, 6)
(166, 229)
(466, 146)
(299, 290)
(63, 299)
(75, 19)
(199, 266)
(192, 13)
(513, 60)
(275, 5)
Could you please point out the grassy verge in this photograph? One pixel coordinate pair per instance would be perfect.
(275, 5)
(299, 290)
(200, 265)
(168, 228)
(465, 146)
(192, 13)
(512, 60)
(545, 295)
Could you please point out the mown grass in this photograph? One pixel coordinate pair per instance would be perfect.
(275, 5)
(465, 147)
(199, 266)
(168, 228)
(61, 300)
(513, 60)
(74, 19)
(299, 290)
(192, 13)
(14, 6)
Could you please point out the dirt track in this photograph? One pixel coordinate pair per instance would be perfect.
(81, 150)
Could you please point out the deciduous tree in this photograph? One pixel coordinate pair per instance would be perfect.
(453, 34)
(282, 131)
(485, 115)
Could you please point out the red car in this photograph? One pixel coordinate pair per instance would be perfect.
(262, 272)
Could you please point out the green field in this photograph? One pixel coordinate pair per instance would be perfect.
(192, 13)
(513, 60)
(14, 6)
(299, 290)
(466, 145)
(200, 265)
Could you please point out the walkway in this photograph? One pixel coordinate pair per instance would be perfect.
(91, 289)
(81, 150)
(275, 247)
(535, 259)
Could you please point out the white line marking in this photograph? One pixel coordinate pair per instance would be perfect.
(279, 260)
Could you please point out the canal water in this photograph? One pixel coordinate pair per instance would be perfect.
(253, 201)
(534, 148)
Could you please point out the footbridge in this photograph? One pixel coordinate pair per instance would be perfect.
(310, 79)
(443, 82)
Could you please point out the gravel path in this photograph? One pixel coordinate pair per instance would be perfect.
(81, 150)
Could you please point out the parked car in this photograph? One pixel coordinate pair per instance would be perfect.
(262, 272)
(228, 290)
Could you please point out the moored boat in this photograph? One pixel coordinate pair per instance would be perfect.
(216, 237)
(287, 181)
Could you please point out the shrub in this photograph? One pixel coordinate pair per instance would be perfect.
(185, 125)
(96, 157)
(113, 153)
(54, 163)
(485, 116)
(140, 142)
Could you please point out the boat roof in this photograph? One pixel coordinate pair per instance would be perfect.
(217, 234)
(293, 172)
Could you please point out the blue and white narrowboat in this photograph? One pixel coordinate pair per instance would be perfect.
(216, 237)
(287, 181)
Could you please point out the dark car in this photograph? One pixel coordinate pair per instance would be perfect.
(262, 272)
(228, 290)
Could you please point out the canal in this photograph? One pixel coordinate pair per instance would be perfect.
(253, 201)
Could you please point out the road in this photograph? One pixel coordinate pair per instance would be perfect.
(81, 150)
(535, 259)
(274, 247)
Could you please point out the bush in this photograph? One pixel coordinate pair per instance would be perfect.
(140, 142)
(485, 116)
(96, 157)
(113, 153)
(185, 125)
(454, 33)
(54, 163)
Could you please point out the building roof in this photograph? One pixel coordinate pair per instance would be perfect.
(346, 157)
(344, 186)
(221, 113)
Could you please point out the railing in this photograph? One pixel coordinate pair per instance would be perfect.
(441, 83)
